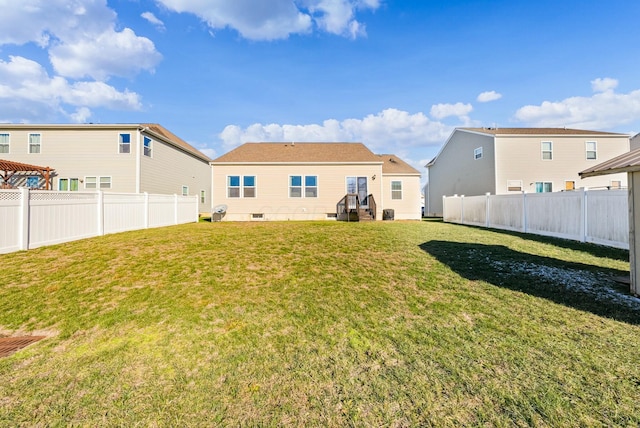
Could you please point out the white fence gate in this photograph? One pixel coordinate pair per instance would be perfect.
(597, 216)
(34, 218)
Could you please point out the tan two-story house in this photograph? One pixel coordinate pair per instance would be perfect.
(126, 158)
(476, 161)
(307, 181)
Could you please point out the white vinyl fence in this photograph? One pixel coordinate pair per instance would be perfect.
(597, 216)
(34, 218)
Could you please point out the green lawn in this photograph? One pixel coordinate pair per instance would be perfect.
(320, 324)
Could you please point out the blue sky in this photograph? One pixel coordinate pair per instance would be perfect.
(398, 75)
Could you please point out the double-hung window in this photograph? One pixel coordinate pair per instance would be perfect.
(396, 190)
(592, 152)
(185, 190)
(147, 145)
(35, 140)
(93, 182)
(477, 153)
(249, 186)
(544, 187)
(295, 186)
(547, 150)
(124, 143)
(4, 143)
(303, 186)
(241, 186)
(311, 186)
(68, 184)
(105, 182)
(233, 186)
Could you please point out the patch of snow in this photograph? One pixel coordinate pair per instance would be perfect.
(600, 286)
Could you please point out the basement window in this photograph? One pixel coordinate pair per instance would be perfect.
(514, 185)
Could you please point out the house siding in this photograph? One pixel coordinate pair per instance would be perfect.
(79, 151)
(409, 207)
(517, 158)
(520, 158)
(457, 172)
(168, 169)
(272, 189)
(76, 154)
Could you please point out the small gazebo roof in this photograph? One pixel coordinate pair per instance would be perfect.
(9, 168)
(626, 162)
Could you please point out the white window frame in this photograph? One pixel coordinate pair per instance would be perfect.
(104, 182)
(95, 182)
(307, 188)
(185, 190)
(594, 150)
(304, 187)
(245, 187)
(38, 145)
(229, 186)
(68, 180)
(122, 145)
(477, 153)
(290, 187)
(394, 191)
(550, 183)
(91, 182)
(543, 150)
(147, 150)
(203, 196)
(7, 143)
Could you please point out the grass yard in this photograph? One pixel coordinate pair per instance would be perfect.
(320, 324)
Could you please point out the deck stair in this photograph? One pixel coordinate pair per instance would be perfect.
(349, 208)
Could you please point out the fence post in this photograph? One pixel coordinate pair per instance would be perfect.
(146, 210)
(23, 231)
(488, 211)
(584, 216)
(100, 212)
(524, 212)
(461, 209)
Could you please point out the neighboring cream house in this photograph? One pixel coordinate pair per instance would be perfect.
(476, 161)
(307, 181)
(126, 158)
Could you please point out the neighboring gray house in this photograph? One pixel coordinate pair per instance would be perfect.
(476, 161)
(628, 163)
(126, 158)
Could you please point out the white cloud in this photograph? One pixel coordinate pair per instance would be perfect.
(107, 54)
(28, 93)
(390, 131)
(604, 84)
(149, 16)
(605, 109)
(337, 16)
(277, 19)
(80, 35)
(440, 111)
(488, 96)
